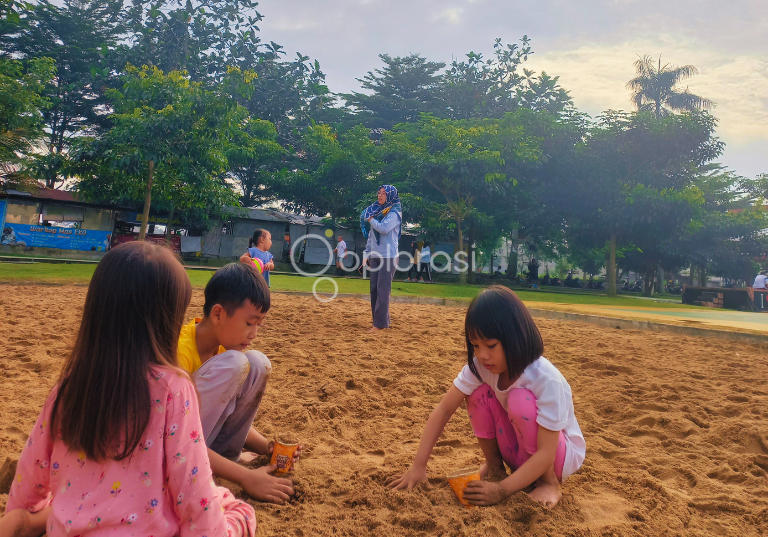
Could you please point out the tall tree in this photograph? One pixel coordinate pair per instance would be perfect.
(253, 156)
(169, 136)
(289, 94)
(202, 38)
(400, 91)
(22, 101)
(334, 174)
(449, 164)
(633, 183)
(655, 89)
(479, 88)
(726, 236)
(79, 36)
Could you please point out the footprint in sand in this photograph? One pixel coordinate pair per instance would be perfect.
(16, 433)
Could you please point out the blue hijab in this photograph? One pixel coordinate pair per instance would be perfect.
(379, 211)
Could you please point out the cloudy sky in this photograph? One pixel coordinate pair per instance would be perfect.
(590, 44)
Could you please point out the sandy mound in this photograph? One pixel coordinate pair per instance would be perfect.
(676, 430)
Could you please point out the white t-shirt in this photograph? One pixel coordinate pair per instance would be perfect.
(760, 281)
(341, 249)
(553, 399)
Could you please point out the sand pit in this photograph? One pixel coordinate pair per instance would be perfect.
(676, 429)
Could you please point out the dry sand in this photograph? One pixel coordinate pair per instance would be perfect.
(676, 430)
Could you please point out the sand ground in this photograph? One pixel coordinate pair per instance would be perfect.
(676, 429)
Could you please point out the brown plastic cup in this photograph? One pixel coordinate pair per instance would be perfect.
(282, 455)
(459, 480)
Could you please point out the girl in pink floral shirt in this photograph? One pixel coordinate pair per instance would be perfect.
(121, 383)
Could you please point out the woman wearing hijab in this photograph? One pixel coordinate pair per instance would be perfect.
(381, 224)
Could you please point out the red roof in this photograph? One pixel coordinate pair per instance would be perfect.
(43, 193)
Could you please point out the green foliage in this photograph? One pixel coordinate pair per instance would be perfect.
(335, 173)
(22, 101)
(79, 37)
(474, 88)
(201, 38)
(251, 154)
(184, 130)
(290, 94)
(404, 88)
(654, 89)
(458, 174)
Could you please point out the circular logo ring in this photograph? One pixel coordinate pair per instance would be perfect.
(335, 289)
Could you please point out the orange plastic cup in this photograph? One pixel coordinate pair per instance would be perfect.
(282, 455)
(459, 480)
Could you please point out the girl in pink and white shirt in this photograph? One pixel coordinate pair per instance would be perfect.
(520, 407)
(118, 447)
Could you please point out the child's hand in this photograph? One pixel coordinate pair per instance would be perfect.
(410, 479)
(296, 454)
(484, 493)
(267, 488)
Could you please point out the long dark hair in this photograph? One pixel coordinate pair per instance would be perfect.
(132, 318)
(498, 313)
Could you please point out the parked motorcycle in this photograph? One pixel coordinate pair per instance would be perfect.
(636, 287)
(674, 289)
(592, 284)
(572, 282)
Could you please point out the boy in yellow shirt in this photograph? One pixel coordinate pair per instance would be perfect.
(230, 379)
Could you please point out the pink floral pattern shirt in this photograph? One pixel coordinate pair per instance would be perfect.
(164, 488)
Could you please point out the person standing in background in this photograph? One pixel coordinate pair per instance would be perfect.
(381, 224)
(258, 248)
(425, 259)
(341, 252)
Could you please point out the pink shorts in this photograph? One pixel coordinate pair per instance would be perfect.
(515, 431)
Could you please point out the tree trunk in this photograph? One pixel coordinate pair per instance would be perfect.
(460, 248)
(470, 252)
(611, 272)
(147, 201)
(661, 280)
(169, 227)
(702, 276)
(648, 281)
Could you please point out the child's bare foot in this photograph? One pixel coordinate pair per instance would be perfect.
(547, 491)
(546, 494)
(247, 456)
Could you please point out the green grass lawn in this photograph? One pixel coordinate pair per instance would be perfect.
(81, 274)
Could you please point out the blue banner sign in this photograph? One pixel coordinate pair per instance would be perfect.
(55, 237)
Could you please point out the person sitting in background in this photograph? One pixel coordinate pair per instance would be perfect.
(761, 280)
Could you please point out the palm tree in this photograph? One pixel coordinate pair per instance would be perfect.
(654, 88)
